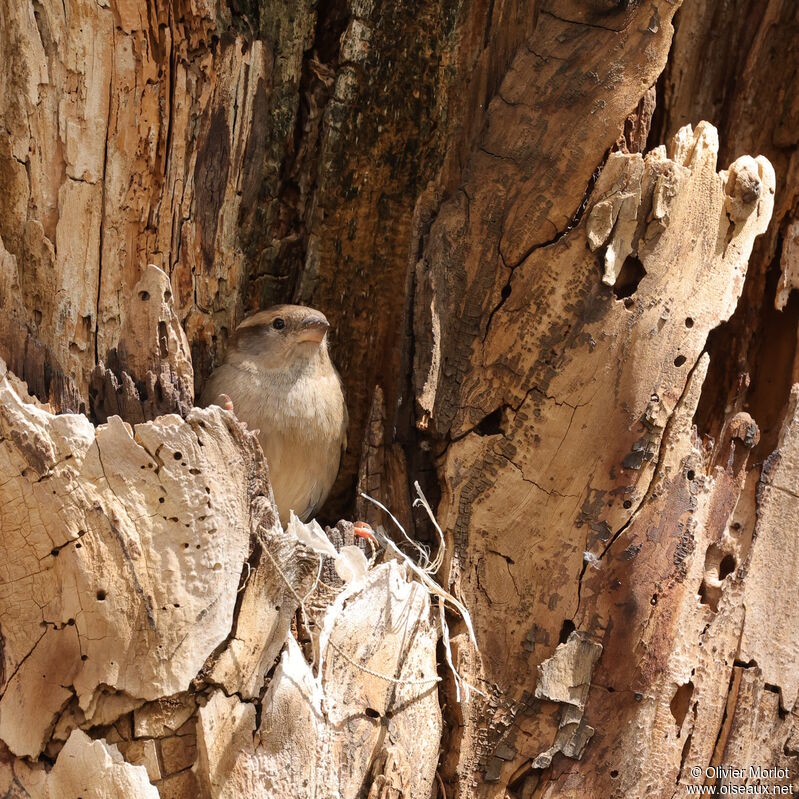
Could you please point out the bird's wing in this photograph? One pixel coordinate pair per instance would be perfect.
(315, 500)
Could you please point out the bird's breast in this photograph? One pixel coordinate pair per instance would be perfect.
(301, 429)
(301, 423)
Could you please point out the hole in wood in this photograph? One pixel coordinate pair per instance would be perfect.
(631, 274)
(727, 566)
(490, 425)
(680, 360)
(163, 340)
(709, 595)
(681, 701)
(144, 296)
(769, 344)
(718, 566)
(689, 322)
(101, 595)
(567, 628)
(372, 713)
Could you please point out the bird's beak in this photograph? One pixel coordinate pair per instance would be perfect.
(313, 329)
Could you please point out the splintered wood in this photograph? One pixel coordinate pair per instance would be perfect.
(594, 387)
(464, 189)
(123, 552)
(375, 708)
(146, 591)
(133, 135)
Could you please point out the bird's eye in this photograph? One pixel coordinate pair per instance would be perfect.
(278, 324)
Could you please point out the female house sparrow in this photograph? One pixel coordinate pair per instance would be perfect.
(279, 378)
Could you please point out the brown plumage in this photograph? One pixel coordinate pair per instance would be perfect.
(280, 379)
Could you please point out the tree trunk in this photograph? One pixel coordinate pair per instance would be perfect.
(557, 242)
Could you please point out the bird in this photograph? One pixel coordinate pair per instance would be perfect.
(278, 378)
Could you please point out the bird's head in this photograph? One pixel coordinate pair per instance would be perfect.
(282, 337)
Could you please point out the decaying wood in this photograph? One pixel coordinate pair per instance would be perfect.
(89, 768)
(147, 590)
(521, 286)
(689, 231)
(383, 473)
(566, 678)
(376, 708)
(149, 373)
(118, 542)
(104, 174)
(505, 208)
(256, 152)
(745, 83)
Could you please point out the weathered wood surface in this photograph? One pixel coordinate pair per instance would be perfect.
(147, 590)
(532, 477)
(434, 176)
(256, 152)
(745, 82)
(587, 382)
(128, 132)
(352, 733)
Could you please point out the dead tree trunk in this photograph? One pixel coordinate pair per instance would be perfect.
(557, 242)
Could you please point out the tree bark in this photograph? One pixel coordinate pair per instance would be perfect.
(557, 242)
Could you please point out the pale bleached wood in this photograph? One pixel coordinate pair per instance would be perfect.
(123, 551)
(136, 135)
(356, 729)
(586, 385)
(94, 770)
(147, 589)
(251, 150)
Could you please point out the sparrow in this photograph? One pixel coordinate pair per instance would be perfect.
(278, 377)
